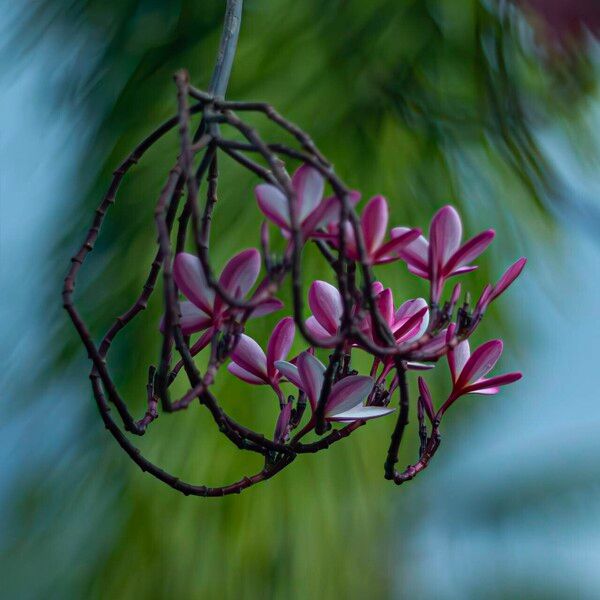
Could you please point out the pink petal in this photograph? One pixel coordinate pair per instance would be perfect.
(192, 318)
(419, 366)
(425, 396)
(266, 308)
(407, 310)
(390, 250)
(348, 393)
(480, 363)
(282, 423)
(374, 222)
(509, 276)
(412, 326)
(189, 277)
(280, 343)
(311, 371)
(327, 213)
(469, 250)
(241, 272)
(493, 383)
(326, 305)
(385, 304)
(461, 354)
(273, 204)
(445, 233)
(361, 413)
(463, 270)
(318, 332)
(244, 375)
(415, 271)
(416, 253)
(435, 344)
(308, 184)
(290, 372)
(250, 356)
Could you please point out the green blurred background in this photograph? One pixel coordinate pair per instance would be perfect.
(492, 106)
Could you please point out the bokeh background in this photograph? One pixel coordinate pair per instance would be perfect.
(491, 105)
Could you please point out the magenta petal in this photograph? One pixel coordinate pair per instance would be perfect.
(412, 325)
(189, 277)
(280, 343)
(273, 204)
(348, 393)
(290, 372)
(241, 272)
(325, 302)
(244, 375)
(309, 185)
(192, 318)
(361, 413)
(390, 250)
(445, 233)
(250, 356)
(509, 276)
(461, 353)
(480, 363)
(415, 271)
(469, 251)
(377, 288)
(492, 383)
(435, 345)
(374, 222)
(463, 270)
(311, 371)
(328, 212)
(425, 396)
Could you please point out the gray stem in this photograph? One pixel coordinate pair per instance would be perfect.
(227, 47)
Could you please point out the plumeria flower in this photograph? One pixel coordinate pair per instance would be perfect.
(373, 223)
(468, 370)
(204, 310)
(492, 292)
(345, 401)
(252, 365)
(442, 256)
(315, 214)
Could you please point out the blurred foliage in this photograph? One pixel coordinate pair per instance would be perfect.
(424, 101)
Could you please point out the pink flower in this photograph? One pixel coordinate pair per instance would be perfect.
(346, 397)
(252, 365)
(443, 256)
(204, 310)
(468, 370)
(374, 222)
(326, 305)
(314, 213)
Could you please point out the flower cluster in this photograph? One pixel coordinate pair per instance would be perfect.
(411, 335)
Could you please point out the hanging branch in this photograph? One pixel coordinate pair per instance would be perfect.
(357, 314)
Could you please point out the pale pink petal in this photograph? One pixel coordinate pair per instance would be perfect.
(445, 233)
(273, 204)
(435, 344)
(374, 222)
(325, 302)
(348, 393)
(311, 371)
(361, 413)
(318, 332)
(290, 372)
(418, 272)
(484, 386)
(408, 309)
(244, 375)
(481, 362)
(469, 251)
(461, 354)
(377, 288)
(419, 366)
(280, 343)
(509, 276)
(410, 328)
(189, 277)
(309, 185)
(463, 270)
(250, 356)
(192, 318)
(484, 391)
